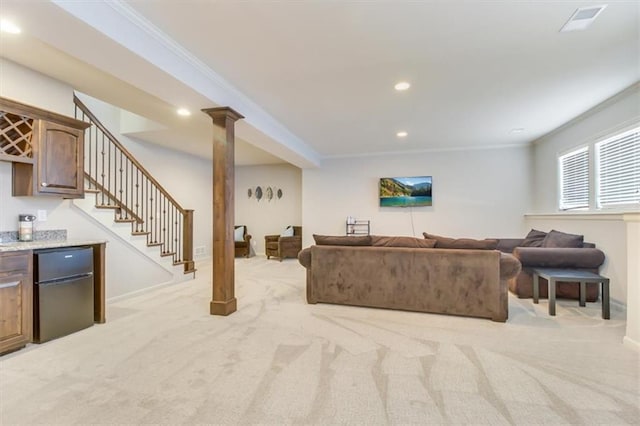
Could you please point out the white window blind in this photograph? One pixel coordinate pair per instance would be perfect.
(574, 179)
(618, 162)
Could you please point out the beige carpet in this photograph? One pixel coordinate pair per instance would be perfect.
(162, 359)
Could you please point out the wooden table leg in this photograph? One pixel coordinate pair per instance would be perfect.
(536, 288)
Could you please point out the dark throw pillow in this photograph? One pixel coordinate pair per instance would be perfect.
(338, 240)
(533, 239)
(562, 240)
(461, 243)
(409, 242)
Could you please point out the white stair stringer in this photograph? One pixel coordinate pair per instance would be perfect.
(122, 231)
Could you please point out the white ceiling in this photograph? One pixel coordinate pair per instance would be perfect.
(315, 79)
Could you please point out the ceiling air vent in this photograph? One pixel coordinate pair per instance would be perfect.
(582, 18)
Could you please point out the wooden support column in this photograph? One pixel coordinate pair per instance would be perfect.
(223, 278)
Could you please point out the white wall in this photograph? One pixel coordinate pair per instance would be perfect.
(611, 116)
(30, 87)
(26, 86)
(477, 193)
(61, 215)
(607, 229)
(186, 177)
(266, 217)
(189, 180)
(632, 336)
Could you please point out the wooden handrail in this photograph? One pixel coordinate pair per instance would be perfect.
(126, 152)
(121, 181)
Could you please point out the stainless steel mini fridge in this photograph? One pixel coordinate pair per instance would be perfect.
(63, 292)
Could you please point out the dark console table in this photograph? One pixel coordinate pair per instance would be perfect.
(570, 275)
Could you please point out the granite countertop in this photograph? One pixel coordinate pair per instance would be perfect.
(43, 244)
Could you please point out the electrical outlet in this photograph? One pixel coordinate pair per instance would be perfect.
(42, 215)
(200, 251)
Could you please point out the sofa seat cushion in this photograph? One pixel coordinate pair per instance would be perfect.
(410, 242)
(461, 243)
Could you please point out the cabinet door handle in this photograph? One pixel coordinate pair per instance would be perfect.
(44, 184)
(11, 284)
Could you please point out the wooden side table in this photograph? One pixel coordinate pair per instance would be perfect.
(553, 275)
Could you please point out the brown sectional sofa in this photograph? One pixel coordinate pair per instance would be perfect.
(464, 282)
(585, 258)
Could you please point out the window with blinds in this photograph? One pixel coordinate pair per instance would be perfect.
(618, 165)
(574, 179)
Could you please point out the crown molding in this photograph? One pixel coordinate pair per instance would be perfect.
(174, 47)
(629, 91)
(600, 216)
(428, 150)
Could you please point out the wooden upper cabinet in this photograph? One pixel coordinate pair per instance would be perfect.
(60, 160)
(53, 164)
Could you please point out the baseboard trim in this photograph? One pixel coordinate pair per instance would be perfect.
(618, 305)
(140, 291)
(630, 343)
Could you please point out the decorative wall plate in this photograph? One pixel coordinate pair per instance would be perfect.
(269, 193)
(279, 193)
(249, 192)
(258, 193)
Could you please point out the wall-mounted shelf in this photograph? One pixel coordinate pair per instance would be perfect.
(358, 227)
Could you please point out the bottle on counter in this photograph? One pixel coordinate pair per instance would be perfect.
(25, 228)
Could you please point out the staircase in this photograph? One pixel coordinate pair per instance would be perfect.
(122, 185)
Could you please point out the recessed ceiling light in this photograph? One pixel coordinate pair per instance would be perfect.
(401, 86)
(184, 112)
(402, 134)
(516, 130)
(582, 18)
(7, 26)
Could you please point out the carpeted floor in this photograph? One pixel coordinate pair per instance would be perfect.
(161, 358)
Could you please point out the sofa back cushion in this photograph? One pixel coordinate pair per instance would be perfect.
(461, 243)
(342, 240)
(559, 239)
(533, 239)
(410, 242)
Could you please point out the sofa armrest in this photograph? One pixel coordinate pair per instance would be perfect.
(559, 257)
(247, 238)
(304, 257)
(271, 238)
(509, 266)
